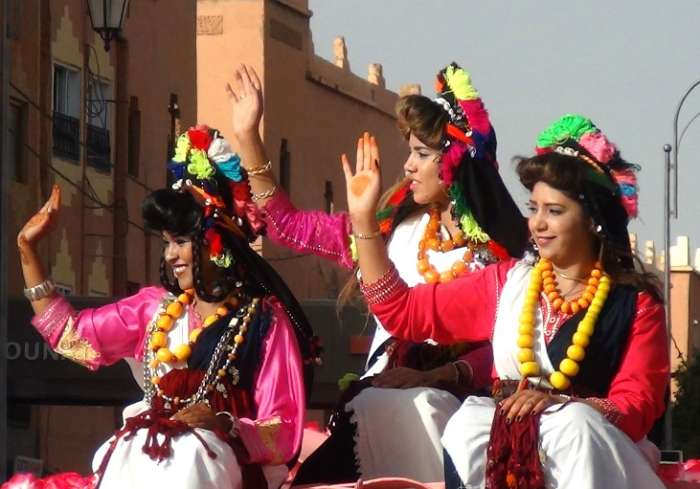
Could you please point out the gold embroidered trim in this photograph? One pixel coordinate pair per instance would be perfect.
(269, 431)
(74, 347)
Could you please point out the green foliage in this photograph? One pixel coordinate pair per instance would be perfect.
(686, 408)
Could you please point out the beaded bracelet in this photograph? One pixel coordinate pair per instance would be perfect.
(265, 194)
(259, 170)
(383, 288)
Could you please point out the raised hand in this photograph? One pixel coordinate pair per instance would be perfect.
(42, 222)
(246, 101)
(364, 186)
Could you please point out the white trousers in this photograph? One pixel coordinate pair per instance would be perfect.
(583, 450)
(399, 430)
(189, 465)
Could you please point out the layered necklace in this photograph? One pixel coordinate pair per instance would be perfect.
(229, 343)
(432, 240)
(543, 279)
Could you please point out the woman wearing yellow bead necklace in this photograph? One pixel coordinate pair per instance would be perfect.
(219, 348)
(580, 355)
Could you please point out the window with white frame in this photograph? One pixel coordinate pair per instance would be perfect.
(66, 91)
(66, 112)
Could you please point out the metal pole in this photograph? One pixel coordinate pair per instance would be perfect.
(668, 435)
(676, 142)
(5, 231)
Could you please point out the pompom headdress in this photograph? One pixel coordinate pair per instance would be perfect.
(577, 136)
(482, 205)
(203, 164)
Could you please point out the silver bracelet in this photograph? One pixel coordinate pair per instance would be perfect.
(265, 194)
(235, 424)
(40, 291)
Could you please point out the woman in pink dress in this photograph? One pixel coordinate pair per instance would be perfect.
(580, 346)
(451, 214)
(218, 347)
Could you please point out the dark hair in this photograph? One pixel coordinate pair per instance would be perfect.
(180, 214)
(572, 176)
(420, 116)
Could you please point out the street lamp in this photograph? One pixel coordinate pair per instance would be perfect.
(107, 17)
(671, 211)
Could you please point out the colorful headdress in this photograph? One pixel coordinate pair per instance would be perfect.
(577, 136)
(205, 166)
(482, 205)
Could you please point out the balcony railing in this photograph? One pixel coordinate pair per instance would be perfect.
(66, 136)
(98, 148)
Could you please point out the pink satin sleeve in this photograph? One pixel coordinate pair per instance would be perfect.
(274, 437)
(99, 336)
(481, 362)
(315, 232)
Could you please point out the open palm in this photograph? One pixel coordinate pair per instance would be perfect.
(364, 186)
(43, 221)
(246, 100)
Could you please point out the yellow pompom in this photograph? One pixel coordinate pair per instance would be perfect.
(529, 369)
(165, 355)
(581, 339)
(526, 341)
(568, 367)
(576, 353)
(194, 334)
(182, 352)
(526, 355)
(159, 339)
(165, 322)
(559, 381)
(174, 309)
(585, 326)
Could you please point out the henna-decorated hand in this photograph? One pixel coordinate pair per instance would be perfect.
(42, 222)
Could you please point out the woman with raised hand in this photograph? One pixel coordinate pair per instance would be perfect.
(580, 352)
(448, 216)
(218, 346)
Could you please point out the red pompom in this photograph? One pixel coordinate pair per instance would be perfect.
(216, 247)
(498, 251)
(199, 138)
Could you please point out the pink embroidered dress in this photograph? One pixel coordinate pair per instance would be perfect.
(580, 446)
(270, 411)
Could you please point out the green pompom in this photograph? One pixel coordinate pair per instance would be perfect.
(460, 83)
(181, 148)
(467, 222)
(199, 165)
(570, 126)
(347, 379)
(224, 260)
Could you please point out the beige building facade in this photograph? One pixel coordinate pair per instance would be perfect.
(314, 111)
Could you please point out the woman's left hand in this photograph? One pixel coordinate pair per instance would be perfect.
(200, 416)
(527, 401)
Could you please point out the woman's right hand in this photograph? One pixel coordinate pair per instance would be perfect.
(364, 186)
(246, 102)
(42, 222)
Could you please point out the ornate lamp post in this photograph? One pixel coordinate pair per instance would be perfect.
(107, 17)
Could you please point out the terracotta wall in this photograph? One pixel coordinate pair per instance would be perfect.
(318, 108)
